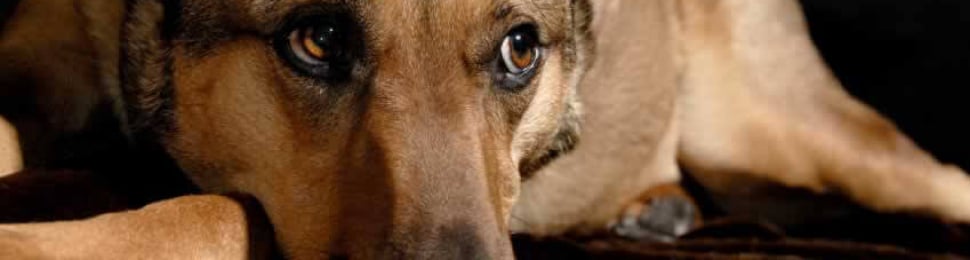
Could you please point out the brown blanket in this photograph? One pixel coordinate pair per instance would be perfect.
(885, 237)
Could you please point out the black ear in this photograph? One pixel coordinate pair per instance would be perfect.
(146, 65)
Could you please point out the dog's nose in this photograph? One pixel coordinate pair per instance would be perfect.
(466, 241)
(462, 240)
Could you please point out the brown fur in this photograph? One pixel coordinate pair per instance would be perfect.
(777, 113)
(420, 157)
(76, 41)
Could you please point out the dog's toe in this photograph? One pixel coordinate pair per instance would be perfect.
(662, 219)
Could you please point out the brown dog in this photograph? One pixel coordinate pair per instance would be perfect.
(401, 129)
(364, 129)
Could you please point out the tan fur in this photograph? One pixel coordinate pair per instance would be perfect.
(428, 158)
(754, 102)
(191, 227)
(10, 158)
(758, 101)
(629, 134)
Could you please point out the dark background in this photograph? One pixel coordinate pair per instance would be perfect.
(910, 59)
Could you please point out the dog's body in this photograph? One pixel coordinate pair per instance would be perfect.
(418, 154)
(755, 107)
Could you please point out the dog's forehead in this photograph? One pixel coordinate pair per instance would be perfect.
(257, 7)
(265, 15)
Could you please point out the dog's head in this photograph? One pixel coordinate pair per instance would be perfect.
(365, 128)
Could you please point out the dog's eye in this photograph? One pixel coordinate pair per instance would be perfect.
(324, 47)
(313, 45)
(519, 57)
(520, 50)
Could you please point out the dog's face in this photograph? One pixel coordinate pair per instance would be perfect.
(365, 128)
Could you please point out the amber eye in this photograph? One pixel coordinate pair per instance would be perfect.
(520, 50)
(313, 45)
(325, 46)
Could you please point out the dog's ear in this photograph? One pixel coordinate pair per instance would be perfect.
(759, 101)
(146, 66)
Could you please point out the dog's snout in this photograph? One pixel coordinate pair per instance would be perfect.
(444, 199)
(446, 172)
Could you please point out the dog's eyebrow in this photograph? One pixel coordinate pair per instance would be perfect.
(270, 10)
(264, 6)
(503, 10)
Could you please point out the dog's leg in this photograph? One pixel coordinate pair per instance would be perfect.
(662, 214)
(191, 227)
(10, 160)
(759, 101)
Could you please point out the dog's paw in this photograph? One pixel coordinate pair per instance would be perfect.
(660, 219)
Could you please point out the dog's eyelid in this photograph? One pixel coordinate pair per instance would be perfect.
(512, 15)
(541, 36)
(488, 48)
(303, 15)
